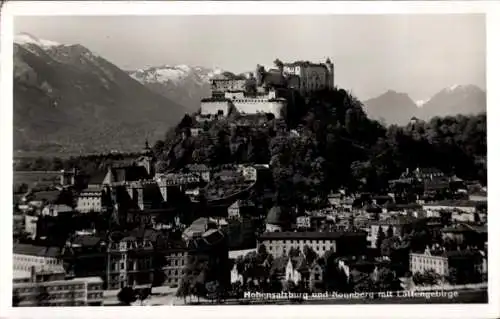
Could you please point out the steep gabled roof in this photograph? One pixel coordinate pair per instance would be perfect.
(40, 251)
(129, 173)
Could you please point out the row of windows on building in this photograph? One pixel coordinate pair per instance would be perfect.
(316, 248)
(138, 265)
(97, 295)
(422, 268)
(427, 261)
(51, 288)
(35, 259)
(300, 241)
(174, 272)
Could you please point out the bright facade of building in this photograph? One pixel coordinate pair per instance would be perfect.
(90, 200)
(419, 263)
(279, 243)
(312, 76)
(74, 292)
(176, 259)
(25, 257)
(30, 225)
(56, 210)
(130, 263)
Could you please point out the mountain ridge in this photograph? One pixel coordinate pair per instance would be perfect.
(66, 98)
(450, 101)
(182, 83)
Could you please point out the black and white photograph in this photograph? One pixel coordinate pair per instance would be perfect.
(248, 160)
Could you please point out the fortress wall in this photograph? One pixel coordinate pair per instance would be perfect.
(253, 106)
(212, 107)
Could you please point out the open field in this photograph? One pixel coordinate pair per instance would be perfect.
(38, 178)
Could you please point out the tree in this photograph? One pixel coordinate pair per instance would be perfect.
(127, 295)
(294, 252)
(390, 232)
(42, 296)
(143, 294)
(16, 298)
(310, 254)
(380, 237)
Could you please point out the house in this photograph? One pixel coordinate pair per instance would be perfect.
(90, 200)
(249, 173)
(176, 260)
(195, 131)
(466, 265)
(353, 266)
(85, 255)
(334, 199)
(86, 291)
(128, 173)
(316, 276)
(303, 222)
(427, 173)
(56, 210)
(400, 225)
(240, 208)
(279, 243)
(39, 199)
(469, 207)
(204, 240)
(235, 275)
(292, 273)
(200, 169)
(30, 225)
(130, 260)
(26, 256)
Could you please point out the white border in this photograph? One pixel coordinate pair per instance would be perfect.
(11, 9)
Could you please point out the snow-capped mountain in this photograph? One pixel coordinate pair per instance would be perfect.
(66, 98)
(421, 103)
(453, 100)
(184, 84)
(399, 108)
(26, 38)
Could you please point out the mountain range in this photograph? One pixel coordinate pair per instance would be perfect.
(68, 99)
(398, 108)
(187, 85)
(181, 83)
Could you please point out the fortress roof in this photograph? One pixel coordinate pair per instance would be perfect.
(304, 64)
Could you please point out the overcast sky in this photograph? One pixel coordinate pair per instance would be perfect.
(415, 54)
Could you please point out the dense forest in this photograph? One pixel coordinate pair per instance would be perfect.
(321, 143)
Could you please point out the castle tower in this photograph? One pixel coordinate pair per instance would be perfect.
(331, 73)
(68, 178)
(147, 159)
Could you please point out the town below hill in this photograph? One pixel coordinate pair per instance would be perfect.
(280, 183)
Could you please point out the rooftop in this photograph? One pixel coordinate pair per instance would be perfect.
(310, 235)
(49, 196)
(453, 203)
(32, 250)
(463, 227)
(397, 220)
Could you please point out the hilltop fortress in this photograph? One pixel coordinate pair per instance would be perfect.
(259, 92)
